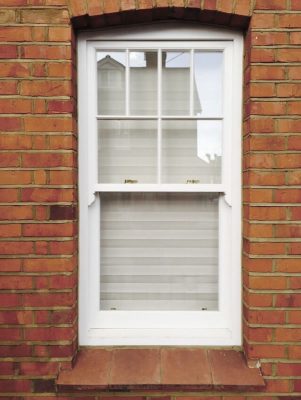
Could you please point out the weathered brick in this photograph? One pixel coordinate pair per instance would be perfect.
(46, 16)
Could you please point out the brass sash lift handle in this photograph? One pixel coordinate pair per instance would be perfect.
(130, 181)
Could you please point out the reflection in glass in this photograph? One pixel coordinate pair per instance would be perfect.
(191, 151)
(127, 151)
(143, 82)
(208, 81)
(175, 82)
(159, 251)
(111, 67)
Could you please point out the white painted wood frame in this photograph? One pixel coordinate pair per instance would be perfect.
(210, 328)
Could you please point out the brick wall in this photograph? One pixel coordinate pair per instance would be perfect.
(38, 210)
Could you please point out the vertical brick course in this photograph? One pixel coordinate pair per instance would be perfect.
(38, 174)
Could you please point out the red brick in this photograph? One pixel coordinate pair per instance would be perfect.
(8, 87)
(38, 368)
(288, 90)
(60, 106)
(265, 317)
(10, 334)
(278, 386)
(60, 69)
(59, 34)
(50, 124)
(259, 300)
(295, 5)
(268, 108)
(260, 334)
(294, 351)
(49, 334)
(145, 4)
(262, 125)
(266, 178)
(288, 55)
(267, 248)
(295, 213)
(15, 142)
(9, 160)
(9, 124)
(262, 161)
(12, 248)
(45, 88)
(16, 282)
(15, 33)
(47, 16)
(48, 195)
(289, 126)
(61, 178)
(287, 335)
(293, 231)
(266, 351)
(66, 229)
(288, 265)
(289, 21)
(47, 160)
(271, 5)
(78, 8)
(10, 265)
(294, 317)
(287, 196)
(46, 52)
(263, 21)
(111, 6)
(287, 160)
(288, 300)
(47, 299)
(267, 213)
(267, 283)
(262, 90)
(15, 106)
(8, 51)
(259, 72)
(294, 143)
(10, 300)
(9, 195)
(49, 265)
(10, 230)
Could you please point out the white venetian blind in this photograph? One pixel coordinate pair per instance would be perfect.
(159, 251)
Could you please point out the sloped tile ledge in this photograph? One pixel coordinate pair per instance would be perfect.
(132, 369)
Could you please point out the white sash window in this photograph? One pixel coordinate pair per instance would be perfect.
(160, 181)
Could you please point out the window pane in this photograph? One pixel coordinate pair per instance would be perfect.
(159, 251)
(208, 83)
(191, 151)
(143, 82)
(111, 82)
(175, 82)
(127, 150)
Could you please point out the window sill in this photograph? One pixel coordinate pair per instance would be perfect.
(193, 369)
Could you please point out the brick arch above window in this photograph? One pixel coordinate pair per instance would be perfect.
(100, 13)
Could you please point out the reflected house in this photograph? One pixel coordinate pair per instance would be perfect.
(191, 150)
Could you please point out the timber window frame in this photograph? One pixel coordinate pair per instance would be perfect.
(221, 327)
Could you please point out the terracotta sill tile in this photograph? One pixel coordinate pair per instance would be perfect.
(179, 368)
(92, 368)
(229, 369)
(185, 367)
(135, 367)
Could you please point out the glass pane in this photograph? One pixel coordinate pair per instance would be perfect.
(111, 67)
(159, 251)
(143, 82)
(175, 82)
(208, 83)
(127, 151)
(191, 151)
